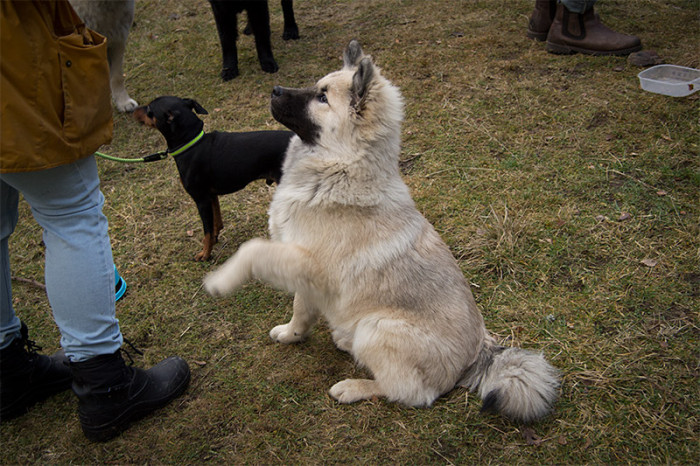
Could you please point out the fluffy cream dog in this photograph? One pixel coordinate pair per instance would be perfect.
(347, 240)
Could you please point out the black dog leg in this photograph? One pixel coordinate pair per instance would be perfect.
(206, 213)
(218, 222)
(227, 26)
(259, 20)
(291, 30)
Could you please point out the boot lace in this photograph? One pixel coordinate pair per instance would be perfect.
(32, 347)
(128, 354)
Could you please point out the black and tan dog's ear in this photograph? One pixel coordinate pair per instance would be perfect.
(361, 83)
(171, 115)
(194, 105)
(353, 54)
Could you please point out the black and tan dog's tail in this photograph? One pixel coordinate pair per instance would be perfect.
(518, 383)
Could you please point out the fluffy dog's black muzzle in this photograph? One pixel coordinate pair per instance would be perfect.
(291, 108)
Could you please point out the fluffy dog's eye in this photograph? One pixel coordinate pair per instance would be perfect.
(322, 98)
(149, 114)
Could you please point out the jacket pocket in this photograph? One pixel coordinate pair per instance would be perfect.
(85, 84)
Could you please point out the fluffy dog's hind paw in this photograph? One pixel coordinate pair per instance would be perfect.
(352, 390)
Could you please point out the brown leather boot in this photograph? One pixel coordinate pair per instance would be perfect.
(572, 33)
(541, 19)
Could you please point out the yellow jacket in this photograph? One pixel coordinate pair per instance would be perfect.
(54, 86)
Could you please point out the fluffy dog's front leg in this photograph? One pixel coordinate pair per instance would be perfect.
(284, 266)
(237, 270)
(298, 328)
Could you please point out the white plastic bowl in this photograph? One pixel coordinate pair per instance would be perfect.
(673, 80)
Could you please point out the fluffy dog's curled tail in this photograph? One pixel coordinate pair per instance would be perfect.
(518, 383)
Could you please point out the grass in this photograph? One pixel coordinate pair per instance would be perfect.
(568, 195)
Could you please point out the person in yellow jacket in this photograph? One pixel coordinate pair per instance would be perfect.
(56, 111)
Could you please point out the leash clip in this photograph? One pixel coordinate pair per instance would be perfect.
(155, 157)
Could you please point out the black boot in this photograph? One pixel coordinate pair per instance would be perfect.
(27, 377)
(112, 395)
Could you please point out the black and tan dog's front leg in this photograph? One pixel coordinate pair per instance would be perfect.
(218, 222)
(208, 210)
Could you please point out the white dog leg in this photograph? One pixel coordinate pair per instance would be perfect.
(401, 360)
(121, 98)
(235, 272)
(284, 266)
(298, 328)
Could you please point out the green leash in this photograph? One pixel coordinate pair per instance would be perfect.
(154, 157)
(149, 158)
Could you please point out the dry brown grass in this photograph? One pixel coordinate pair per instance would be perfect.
(555, 180)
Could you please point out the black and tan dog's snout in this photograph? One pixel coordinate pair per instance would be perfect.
(141, 115)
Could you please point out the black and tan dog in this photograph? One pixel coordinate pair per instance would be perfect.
(216, 163)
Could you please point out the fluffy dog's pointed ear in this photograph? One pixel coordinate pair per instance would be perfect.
(194, 105)
(353, 54)
(361, 82)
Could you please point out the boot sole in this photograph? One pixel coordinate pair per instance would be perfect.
(137, 411)
(538, 36)
(561, 49)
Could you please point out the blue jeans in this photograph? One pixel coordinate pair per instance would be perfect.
(67, 203)
(578, 6)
